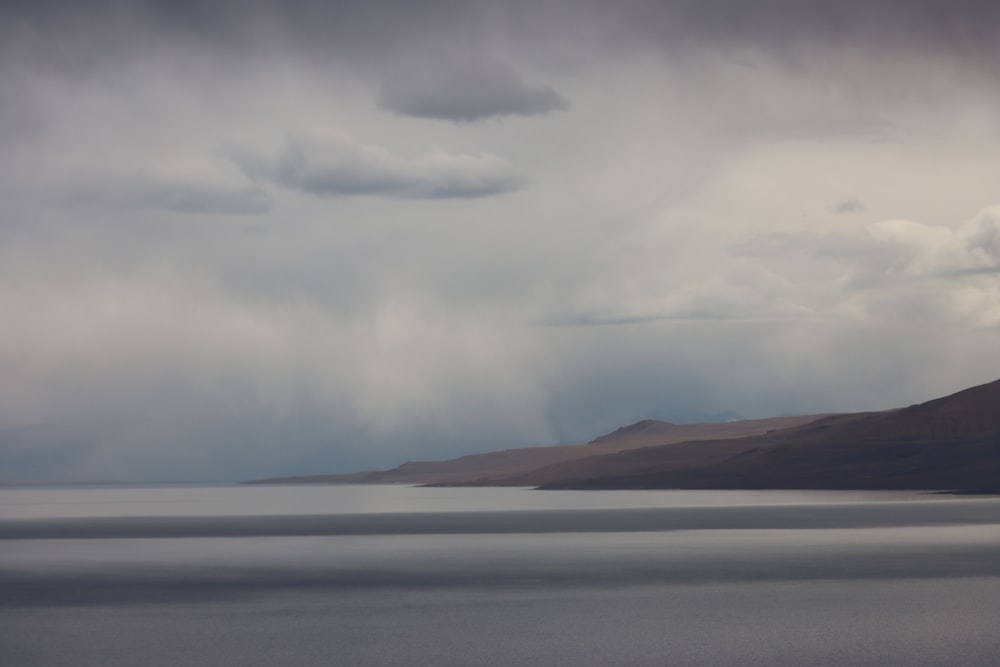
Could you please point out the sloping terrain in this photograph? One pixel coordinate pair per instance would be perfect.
(485, 468)
(951, 443)
(948, 444)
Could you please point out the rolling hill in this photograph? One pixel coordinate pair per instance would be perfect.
(951, 443)
(480, 469)
(946, 444)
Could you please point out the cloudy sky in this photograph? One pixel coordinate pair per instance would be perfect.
(253, 238)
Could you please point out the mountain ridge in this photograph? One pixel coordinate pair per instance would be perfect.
(479, 468)
(947, 444)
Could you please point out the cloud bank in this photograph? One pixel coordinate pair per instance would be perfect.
(458, 92)
(237, 239)
(337, 168)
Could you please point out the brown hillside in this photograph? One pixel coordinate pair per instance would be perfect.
(951, 443)
(478, 469)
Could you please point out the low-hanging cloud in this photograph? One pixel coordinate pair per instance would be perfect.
(901, 270)
(849, 205)
(926, 250)
(463, 93)
(338, 168)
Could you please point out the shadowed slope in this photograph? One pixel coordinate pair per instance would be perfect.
(951, 443)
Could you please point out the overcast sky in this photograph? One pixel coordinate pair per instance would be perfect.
(243, 239)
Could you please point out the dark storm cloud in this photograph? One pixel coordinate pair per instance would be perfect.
(464, 61)
(454, 91)
(966, 26)
(333, 168)
(366, 27)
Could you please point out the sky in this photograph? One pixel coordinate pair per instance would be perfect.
(246, 239)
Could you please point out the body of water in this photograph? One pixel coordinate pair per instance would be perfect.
(394, 575)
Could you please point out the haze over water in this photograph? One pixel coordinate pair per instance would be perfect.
(391, 575)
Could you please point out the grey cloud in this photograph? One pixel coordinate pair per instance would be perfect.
(849, 205)
(924, 249)
(464, 61)
(391, 28)
(709, 308)
(728, 295)
(817, 245)
(882, 271)
(602, 320)
(585, 319)
(963, 273)
(963, 26)
(459, 92)
(332, 168)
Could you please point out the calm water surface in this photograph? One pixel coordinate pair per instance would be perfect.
(265, 500)
(393, 575)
